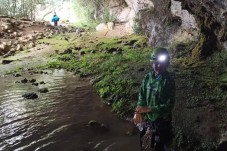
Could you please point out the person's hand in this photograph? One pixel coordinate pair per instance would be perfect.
(143, 109)
(137, 118)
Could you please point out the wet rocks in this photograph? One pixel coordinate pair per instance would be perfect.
(31, 95)
(42, 82)
(82, 53)
(77, 48)
(56, 51)
(32, 80)
(97, 127)
(24, 80)
(7, 61)
(43, 90)
(35, 84)
(67, 51)
(129, 43)
(16, 75)
(114, 51)
(4, 48)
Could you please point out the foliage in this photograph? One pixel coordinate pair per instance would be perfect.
(19, 8)
(86, 10)
(137, 25)
(112, 73)
(120, 107)
(107, 17)
(92, 12)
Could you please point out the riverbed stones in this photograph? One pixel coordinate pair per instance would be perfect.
(97, 127)
(24, 80)
(32, 80)
(31, 95)
(82, 53)
(43, 90)
(35, 84)
(4, 48)
(67, 51)
(16, 75)
(42, 82)
(7, 61)
(19, 47)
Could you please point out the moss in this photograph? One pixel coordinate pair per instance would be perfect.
(223, 34)
(113, 74)
(197, 51)
(117, 78)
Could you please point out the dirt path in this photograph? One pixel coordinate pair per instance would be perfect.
(27, 59)
(40, 54)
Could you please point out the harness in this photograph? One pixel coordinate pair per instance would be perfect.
(151, 137)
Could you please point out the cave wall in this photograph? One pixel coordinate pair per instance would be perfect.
(164, 22)
(167, 22)
(172, 21)
(211, 18)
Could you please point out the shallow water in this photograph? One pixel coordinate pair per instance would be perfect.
(58, 120)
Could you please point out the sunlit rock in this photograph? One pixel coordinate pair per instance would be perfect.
(19, 48)
(101, 27)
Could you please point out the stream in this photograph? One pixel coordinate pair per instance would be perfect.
(59, 119)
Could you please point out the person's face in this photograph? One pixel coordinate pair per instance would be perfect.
(159, 67)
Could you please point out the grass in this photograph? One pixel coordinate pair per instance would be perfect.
(111, 72)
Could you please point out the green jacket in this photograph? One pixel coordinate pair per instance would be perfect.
(157, 93)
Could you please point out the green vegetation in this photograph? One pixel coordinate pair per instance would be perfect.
(20, 8)
(113, 64)
(201, 97)
(117, 66)
(59, 42)
(91, 13)
(137, 25)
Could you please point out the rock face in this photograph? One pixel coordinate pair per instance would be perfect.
(168, 22)
(183, 20)
(165, 22)
(211, 19)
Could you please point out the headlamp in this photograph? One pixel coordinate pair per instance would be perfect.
(162, 58)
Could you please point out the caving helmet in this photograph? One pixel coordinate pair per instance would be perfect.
(160, 55)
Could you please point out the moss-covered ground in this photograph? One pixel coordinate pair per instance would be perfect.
(200, 114)
(116, 67)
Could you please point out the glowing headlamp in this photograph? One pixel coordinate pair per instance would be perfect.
(162, 58)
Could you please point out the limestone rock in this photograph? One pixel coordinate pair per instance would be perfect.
(4, 48)
(19, 48)
(101, 27)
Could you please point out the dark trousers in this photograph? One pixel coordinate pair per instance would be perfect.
(55, 23)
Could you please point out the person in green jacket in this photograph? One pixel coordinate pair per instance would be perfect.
(156, 99)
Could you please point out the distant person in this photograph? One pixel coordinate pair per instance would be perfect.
(55, 19)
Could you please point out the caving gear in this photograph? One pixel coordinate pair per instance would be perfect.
(160, 55)
(155, 135)
(157, 92)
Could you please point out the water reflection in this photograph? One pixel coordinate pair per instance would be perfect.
(57, 120)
